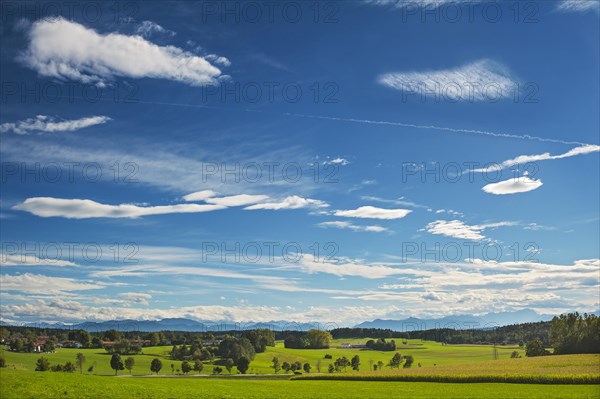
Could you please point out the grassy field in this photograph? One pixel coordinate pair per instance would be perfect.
(427, 353)
(19, 384)
(569, 369)
(19, 380)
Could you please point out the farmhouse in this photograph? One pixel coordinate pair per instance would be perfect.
(352, 346)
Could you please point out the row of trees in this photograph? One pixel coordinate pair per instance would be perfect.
(569, 334)
(313, 339)
(341, 364)
(381, 345)
(43, 364)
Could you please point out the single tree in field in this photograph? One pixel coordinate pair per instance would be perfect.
(296, 366)
(2, 362)
(116, 363)
(341, 363)
(535, 348)
(286, 367)
(42, 364)
(276, 366)
(370, 364)
(186, 367)
(243, 364)
(129, 363)
(331, 369)
(355, 363)
(80, 361)
(156, 365)
(306, 367)
(198, 366)
(408, 361)
(217, 370)
(380, 365)
(229, 365)
(318, 366)
(396, 361)
(172, 368)
(68, 367)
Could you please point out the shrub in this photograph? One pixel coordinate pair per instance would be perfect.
(535, 348)
(42, 364)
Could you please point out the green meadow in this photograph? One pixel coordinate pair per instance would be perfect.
(19, 380)
(23, 385)
(428, 353)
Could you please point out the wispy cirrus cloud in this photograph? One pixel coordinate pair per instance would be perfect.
(353, 227)
(461, 230)
(417, 3)
(517, 185)
(23, 259)
(150, 28)
(578, 5)
(37, 283)
(48, 124)
(523, 159)
(478, 81)
(372, 212)
(67, 50)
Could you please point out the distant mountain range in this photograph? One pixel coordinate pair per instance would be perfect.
(462, 322)
(489, 320)
(176, 324)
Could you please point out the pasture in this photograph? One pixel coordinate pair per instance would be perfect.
(17, 384)
(452, 363)
(427, 353)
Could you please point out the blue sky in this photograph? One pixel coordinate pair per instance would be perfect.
(357, 160)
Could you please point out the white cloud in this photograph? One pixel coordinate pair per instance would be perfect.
(199, 195)
(37, 283)
(350, 226)
(31, 260)
(578, 5)
(70, 51)
(217, 59)
(48, 124)
(209, 197)
(349, 267)
(85, 208)
(291, 202)
(371, 212)
(458, 229)
(136, 297)
(513, 186)
(149, 28)
(479, 81)
(338, 161)
(399, 201)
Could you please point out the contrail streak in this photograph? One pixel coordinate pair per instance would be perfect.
(441, 128)
(375, 122)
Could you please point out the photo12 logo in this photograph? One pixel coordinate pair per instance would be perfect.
(68, 172)
(269, 172)
(267, 252)
(455, 251)
(15, 253)
(269, 12)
